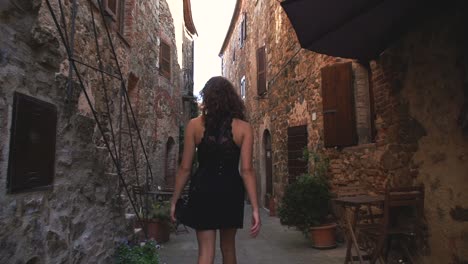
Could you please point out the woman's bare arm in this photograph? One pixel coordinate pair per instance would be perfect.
(185, 167)
(248, 175)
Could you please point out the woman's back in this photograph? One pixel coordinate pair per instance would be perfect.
(238, 130)
(220, 139)
(216, 188)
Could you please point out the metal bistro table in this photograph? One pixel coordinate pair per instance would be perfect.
(352, 206)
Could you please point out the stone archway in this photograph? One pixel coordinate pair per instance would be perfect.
(268, 166)
(170, 163)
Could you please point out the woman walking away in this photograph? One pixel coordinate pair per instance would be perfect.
(221, 138)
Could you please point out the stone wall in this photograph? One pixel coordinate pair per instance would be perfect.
(416, 88)
(82, 216)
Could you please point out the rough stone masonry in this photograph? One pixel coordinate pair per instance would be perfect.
(81, 217)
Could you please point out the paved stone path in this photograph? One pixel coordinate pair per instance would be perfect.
(276, 244)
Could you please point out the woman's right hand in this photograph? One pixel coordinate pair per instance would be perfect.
(256, 223)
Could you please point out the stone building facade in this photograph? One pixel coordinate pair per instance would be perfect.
(410, 109)
(77, 213)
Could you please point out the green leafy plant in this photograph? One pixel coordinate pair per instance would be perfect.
(160, 210)
(145, 253)
(305, 202)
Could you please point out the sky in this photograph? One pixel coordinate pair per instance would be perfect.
(211, 19)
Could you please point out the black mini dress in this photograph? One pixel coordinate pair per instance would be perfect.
(216, 193)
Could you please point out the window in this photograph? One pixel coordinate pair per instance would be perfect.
(170, 163)
(31, 162)
(116, 10)
(261, 71)
(165, 60)
(121, 17)
(346, 123)
(242, 87)
(243, 30)
(297, 142)
(111, 8)
(222, 66)
(338, 106)
(133, 90)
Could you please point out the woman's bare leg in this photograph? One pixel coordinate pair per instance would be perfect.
(206, 246)
(228, 245)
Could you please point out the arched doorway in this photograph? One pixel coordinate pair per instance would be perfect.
(268, 166)
(170, 164)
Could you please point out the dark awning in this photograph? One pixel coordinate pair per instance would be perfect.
(358, 29)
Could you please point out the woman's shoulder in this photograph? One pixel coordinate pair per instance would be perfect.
(197, 119)
(195, 122)
(241, 124)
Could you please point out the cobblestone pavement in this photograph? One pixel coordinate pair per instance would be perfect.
(276, 244)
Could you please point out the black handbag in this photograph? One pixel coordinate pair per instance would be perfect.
(181, 208)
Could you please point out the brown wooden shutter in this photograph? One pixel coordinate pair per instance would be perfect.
(338, 106)
(165, 60)
(244, 27)
(32, 145)
(261, 71)
(121, 17)
(297, 142)
(372, 105)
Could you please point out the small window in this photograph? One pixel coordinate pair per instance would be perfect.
(242, 87)
(31, 161)
(111, 8)
(133, 89)
(261, 71)
(222, 66)
(243, 30)
(165, 60)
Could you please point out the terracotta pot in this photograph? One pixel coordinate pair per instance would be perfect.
(323, 236)
(159, 230)
(272, 206)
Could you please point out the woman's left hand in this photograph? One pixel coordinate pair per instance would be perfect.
(255, 229)
(173, 206)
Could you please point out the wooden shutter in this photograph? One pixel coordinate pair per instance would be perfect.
(372, 106)
(297, 141)
(165, 60)
(244, 27)
(338, 106)
(32, 145)
(261, 71)
(241, 34)
(121, 17)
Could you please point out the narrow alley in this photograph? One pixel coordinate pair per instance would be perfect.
(276, 244)
(346, 119)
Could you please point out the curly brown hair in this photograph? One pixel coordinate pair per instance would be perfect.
(220, 101)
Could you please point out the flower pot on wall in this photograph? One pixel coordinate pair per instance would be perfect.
(323, 236)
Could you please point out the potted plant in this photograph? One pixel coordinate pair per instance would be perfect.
(271, 201)
(137, 253)
(305, 205)
(159, 221)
